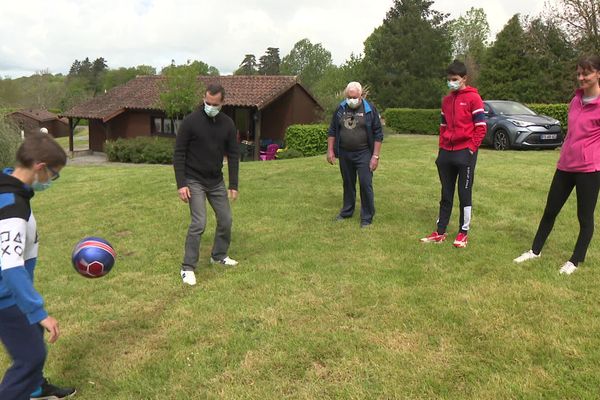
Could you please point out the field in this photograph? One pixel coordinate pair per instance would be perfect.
(320, 309)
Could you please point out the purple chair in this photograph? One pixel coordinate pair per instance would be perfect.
(270, 153)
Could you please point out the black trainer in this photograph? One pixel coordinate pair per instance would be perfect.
(51, 392)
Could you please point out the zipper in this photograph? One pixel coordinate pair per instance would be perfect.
(453, 124)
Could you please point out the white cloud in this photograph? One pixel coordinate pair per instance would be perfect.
(133, 32)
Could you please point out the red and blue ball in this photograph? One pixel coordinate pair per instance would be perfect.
(93, 257)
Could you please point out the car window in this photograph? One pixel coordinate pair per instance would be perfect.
(512, 108)
(486, 108)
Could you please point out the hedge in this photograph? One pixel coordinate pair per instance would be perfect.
(556, 111)
(310, 140)
(149, 150)
(412, 120)
(10, 139)
(426, 121)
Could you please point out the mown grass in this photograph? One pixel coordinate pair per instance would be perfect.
(319, 309)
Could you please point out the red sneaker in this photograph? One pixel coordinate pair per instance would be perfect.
(461, 240)
(434, 238)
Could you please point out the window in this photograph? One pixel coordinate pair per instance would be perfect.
(164, 125)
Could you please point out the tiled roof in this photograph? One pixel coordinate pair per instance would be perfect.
(143, 93)
(38, 115)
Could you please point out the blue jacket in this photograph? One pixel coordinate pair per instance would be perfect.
(372, 121)
(18, 249)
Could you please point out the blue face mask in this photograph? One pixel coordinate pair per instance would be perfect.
(211, 111)
(40, 186)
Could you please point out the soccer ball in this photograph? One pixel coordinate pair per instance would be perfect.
(93, 257)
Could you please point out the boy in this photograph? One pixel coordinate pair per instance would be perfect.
(462, 130)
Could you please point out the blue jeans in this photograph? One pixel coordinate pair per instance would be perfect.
(351, 164)
(25, 345)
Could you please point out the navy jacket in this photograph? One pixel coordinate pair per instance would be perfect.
(372, 121)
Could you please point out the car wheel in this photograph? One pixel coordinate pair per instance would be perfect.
(501, 141)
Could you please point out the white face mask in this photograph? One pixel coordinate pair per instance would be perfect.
(211, 111)
(353, 103)
(454, 85)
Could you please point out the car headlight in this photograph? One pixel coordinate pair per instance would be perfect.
(520, 123)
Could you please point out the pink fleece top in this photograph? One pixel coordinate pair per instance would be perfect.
(581, 150)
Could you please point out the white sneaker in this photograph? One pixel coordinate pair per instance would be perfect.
(528, 255)
(226, 261)
(189, 277)
(568, 268)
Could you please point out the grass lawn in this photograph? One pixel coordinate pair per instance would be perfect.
(319, 309)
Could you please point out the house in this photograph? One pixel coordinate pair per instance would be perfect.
(33, 120)
(261, 106)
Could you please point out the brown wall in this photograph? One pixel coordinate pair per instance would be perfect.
(130, 124)
(293, 107)
(56, 128)
(97, 135)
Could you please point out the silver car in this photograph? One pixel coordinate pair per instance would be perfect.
(512, 125)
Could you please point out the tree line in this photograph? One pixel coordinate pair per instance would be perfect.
(532, 59)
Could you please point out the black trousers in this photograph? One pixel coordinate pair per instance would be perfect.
(354, 163)
(586, 186)
(452, 165)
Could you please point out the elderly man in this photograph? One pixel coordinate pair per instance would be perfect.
(355, 137)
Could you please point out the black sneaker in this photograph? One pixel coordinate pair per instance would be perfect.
(51, 392)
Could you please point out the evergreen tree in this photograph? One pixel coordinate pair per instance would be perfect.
(248, 66)
(269, 64)
(405, 58)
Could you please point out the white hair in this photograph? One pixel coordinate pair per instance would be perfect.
(354, 85)
(44, 130)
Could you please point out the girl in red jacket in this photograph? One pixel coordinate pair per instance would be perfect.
(578, 167)
(462, 130)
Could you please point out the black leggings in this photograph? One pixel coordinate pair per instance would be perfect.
(587, 186)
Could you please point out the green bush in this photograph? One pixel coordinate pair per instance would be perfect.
(557, 111)
(411, 120)
(10, 139)
(148, 150)
(310, 140)
(289, 153)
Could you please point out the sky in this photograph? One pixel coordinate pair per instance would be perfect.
(38, 35)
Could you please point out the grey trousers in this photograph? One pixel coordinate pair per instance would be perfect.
(217, 198)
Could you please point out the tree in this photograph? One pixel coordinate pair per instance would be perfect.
(116, 77)
(581, 20)
(405, 58)
(552, 56)
(470, 34)
(531, 64)
(199, 67)
(270, 63)
(181, 90)
(329, 89)
(308, 61)
(248, 66)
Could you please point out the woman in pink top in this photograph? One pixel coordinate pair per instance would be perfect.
(578, 167)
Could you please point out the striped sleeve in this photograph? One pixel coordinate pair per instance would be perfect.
(14, 269)
(479, 122)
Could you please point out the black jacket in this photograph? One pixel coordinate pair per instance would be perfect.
(201, 144)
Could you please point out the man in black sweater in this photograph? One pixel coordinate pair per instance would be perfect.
(205, 137)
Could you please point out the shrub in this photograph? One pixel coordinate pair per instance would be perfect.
(10, 139)
(149, 150)
(310, 140)
(411, 120)
(557, 111)
(289, 153)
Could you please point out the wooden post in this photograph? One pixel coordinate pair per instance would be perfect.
(257, 123)
(71, 130)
